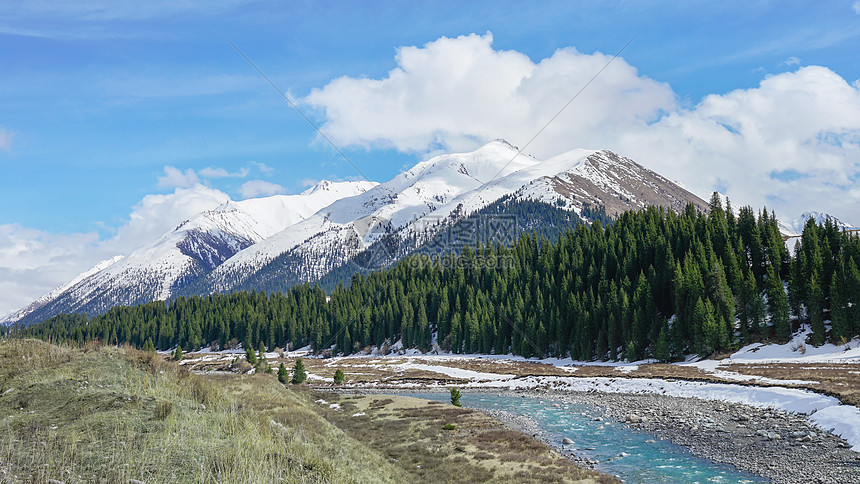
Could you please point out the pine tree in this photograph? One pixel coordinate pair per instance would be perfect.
(177, 355)
(148, 346)
(250, 356)
(338, 377)
(299, 374)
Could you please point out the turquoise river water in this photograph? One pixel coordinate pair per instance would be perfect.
(646, 460)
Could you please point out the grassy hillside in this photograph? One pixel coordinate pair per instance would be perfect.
(120, 415)
(111, 415)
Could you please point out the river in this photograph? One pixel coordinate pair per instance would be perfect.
(633, 456)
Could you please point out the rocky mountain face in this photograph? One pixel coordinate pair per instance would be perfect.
(276, 242)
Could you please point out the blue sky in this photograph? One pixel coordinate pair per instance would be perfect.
(105, 103)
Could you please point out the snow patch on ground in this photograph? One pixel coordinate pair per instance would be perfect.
(453, 372)
(797, 351)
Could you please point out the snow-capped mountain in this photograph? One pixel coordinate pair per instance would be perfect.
(272, 243)
(795, 227)
(189, 251)
(418, 202)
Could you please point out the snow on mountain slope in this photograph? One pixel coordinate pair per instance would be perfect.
(190, 250)
(795, 227)
(351, 224)
(415, 203)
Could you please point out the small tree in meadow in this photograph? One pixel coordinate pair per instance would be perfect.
(177, 355)
(250, 356)
(283, 376)
(299, 375)
(148, 346)
(455, 397)
(338, 377)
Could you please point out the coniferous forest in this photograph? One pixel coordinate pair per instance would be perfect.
(651, 283)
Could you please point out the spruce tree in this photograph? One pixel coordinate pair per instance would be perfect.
(250, 356)
(177, 355)
(839, 310)
(338, 376)
(778, 302)
(455, 397)
(662, 351)
(816, 309)
(283, 376)
(148, 346)
(299, 374)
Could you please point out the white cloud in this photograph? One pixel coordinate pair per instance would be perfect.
(792, 143)
(175, 178)
(856, 7)
(454, 94)
(260, 188)
(792, 61)
(6, 139)
(264, 168)
(34, 262)
(211, 172)
(156, 214)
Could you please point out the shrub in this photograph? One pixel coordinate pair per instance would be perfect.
(338, 377)
(299, 375)
(449, 427)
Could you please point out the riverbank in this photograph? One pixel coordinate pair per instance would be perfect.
(783, 447)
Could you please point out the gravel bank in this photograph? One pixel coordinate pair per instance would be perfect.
(786, 448)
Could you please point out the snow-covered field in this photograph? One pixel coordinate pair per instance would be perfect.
(563, 374)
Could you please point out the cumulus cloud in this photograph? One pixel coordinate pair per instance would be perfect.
(454, 94)
(211, 172)
(34, 262)
(790, 143)
(157, 213)
(260, 188)
(264, 168)
(174, 178)
(6, 139)
(792, 61)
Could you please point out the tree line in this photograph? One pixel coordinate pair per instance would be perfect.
(651, 284)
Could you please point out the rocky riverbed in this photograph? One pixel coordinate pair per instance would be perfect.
(786, 448)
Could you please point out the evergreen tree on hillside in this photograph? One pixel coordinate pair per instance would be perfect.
(338, 376)
(299, 374)
(283, 376)
(608, 290)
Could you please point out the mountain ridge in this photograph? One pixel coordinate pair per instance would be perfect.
(296, 241)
